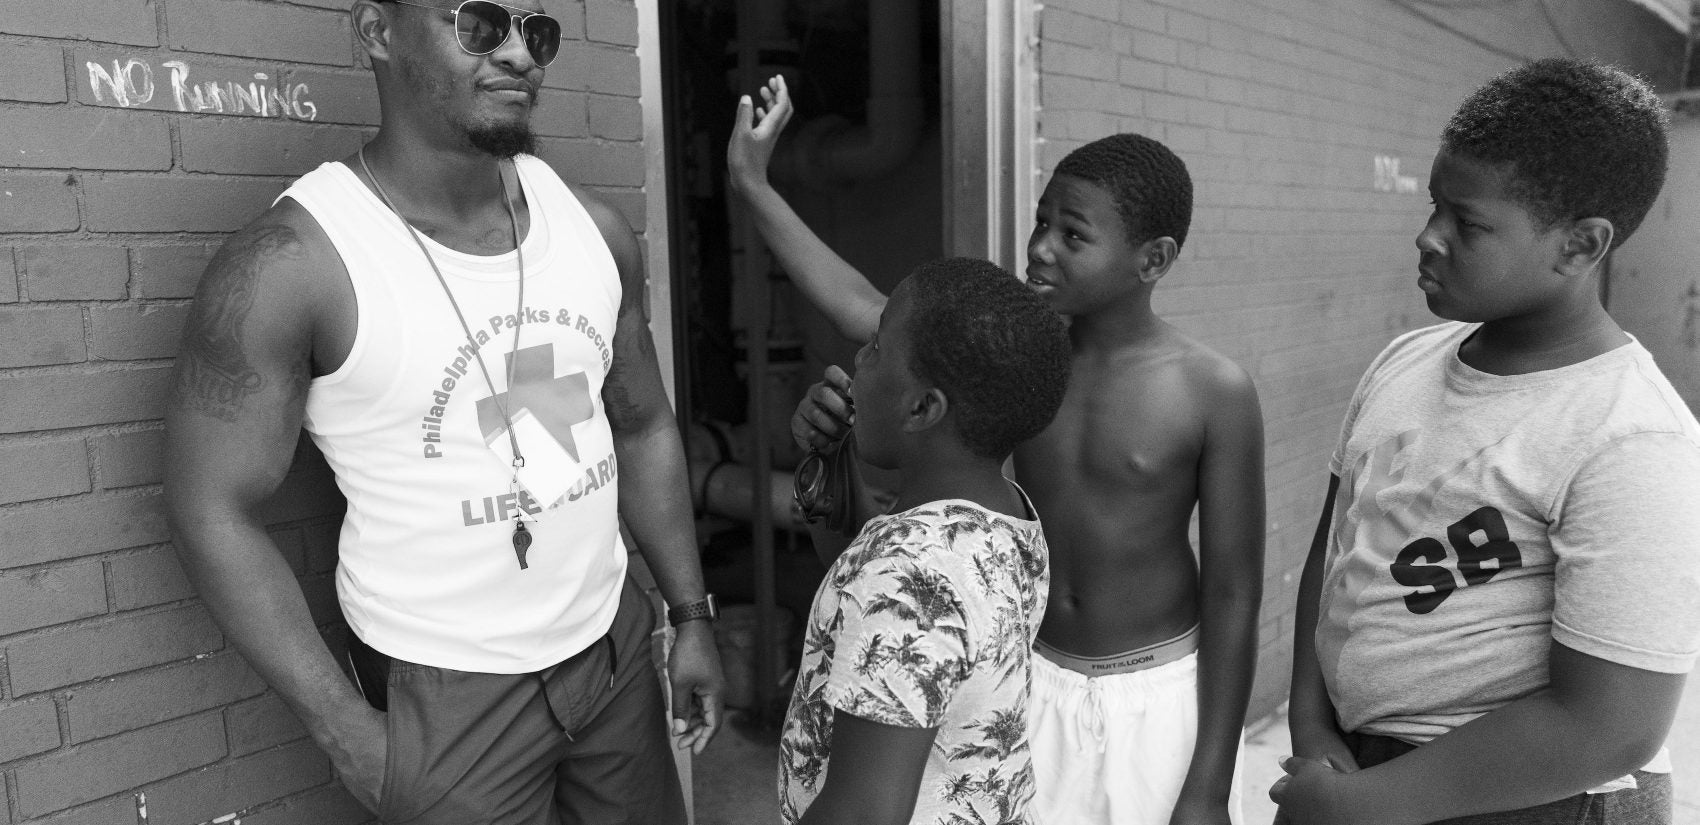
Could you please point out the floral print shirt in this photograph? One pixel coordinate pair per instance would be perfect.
(927, 620)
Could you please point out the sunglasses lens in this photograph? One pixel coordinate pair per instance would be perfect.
(542, 37)
(481, 26)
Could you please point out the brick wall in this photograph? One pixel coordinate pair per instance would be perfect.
(1300, 264)
(134, 137)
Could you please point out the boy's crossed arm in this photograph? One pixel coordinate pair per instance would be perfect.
(836, 288)
(1598, 720)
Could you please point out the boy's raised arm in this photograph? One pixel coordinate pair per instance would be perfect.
(1231, 529)
(827, 280)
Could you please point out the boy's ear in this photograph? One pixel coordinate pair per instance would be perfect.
(371, 29)
(1586, 243)
(925, 410)
(1156, 256)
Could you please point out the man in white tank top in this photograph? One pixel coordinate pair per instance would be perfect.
(464, 337)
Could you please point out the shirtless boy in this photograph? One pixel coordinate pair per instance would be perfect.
(1147, 654)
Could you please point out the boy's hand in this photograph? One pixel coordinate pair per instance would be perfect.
(755, 131)
(1310, 793)
(825, 414)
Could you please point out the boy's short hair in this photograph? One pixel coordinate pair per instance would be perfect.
(1000, 355)
(1149, 183)
(1583, 140)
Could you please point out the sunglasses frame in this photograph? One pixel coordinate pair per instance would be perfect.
(516, 22)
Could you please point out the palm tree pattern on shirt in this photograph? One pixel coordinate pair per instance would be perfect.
(927, 620)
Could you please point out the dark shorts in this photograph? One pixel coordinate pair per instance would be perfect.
(1647, 804)
(581, 742)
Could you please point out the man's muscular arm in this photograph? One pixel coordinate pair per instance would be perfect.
(1231, 530)
(655, 499)
(231, 430)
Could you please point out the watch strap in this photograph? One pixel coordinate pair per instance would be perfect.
(703, 608)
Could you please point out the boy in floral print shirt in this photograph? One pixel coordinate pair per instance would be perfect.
(911, 701)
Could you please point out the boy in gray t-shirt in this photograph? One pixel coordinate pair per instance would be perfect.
(1499, 607)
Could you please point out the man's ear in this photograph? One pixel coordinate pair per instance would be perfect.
(1586, 243)
(1155, 258)
(925, 410)
(372, 28)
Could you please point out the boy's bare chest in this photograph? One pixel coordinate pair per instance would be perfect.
(1128, 429)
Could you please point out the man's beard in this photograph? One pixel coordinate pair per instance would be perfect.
(504, 140)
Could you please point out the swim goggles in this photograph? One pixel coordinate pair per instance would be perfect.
(481, 27)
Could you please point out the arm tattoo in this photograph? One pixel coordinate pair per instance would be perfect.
(624, 410)
(214, 374)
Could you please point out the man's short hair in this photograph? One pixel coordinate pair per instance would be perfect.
(999, 354)
(1149, 183)
(1582, 140)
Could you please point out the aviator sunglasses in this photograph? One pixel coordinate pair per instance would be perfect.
(481, 27)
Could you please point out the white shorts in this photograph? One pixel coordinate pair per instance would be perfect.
(1115, 749)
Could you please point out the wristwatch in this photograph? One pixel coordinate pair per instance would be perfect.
(703, 608)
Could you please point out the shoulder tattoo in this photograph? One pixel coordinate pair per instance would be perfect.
(214, 374)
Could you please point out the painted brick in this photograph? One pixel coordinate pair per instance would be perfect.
(134, 333)
(118, 645)
(595, 68)
(176, 203)
(81, 527)
(259, 723)
(39, 470)
(74, 273)
(122, 763)
(83, 399)
(35, 74)
(141, 699)
(85, 138)
(330, 805)
(41, 336)
(236, 785)
(340, 97)
(571, 15)
(560, 114)
(31, 728)
(260, 30)
(292, 546)
(119, 810)
(36, 203)
(148, 578)
(594, 162)
(132, 23)
(616, 118)
(45, 597)
(169, 271)
(247, 147)
(129, 459)
(8, 276)
(611, 21)
(320, 594)
(629, 201)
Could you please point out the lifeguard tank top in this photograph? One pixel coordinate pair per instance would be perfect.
(427, 570)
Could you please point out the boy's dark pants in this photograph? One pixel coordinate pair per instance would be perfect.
(1647, 804)
(583, 741)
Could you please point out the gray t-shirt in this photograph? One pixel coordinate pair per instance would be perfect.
(1481, 517)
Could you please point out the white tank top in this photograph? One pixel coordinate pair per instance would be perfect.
(427, 570)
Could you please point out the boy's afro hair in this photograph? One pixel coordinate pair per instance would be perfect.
(1583, 140)
(999, 353)
(1149, 183)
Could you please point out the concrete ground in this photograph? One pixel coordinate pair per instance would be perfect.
(734, 778)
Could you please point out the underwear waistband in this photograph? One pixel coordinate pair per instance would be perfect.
(1144, 658)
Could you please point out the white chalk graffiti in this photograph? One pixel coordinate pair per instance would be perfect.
(130, 84)
(1388, 179)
